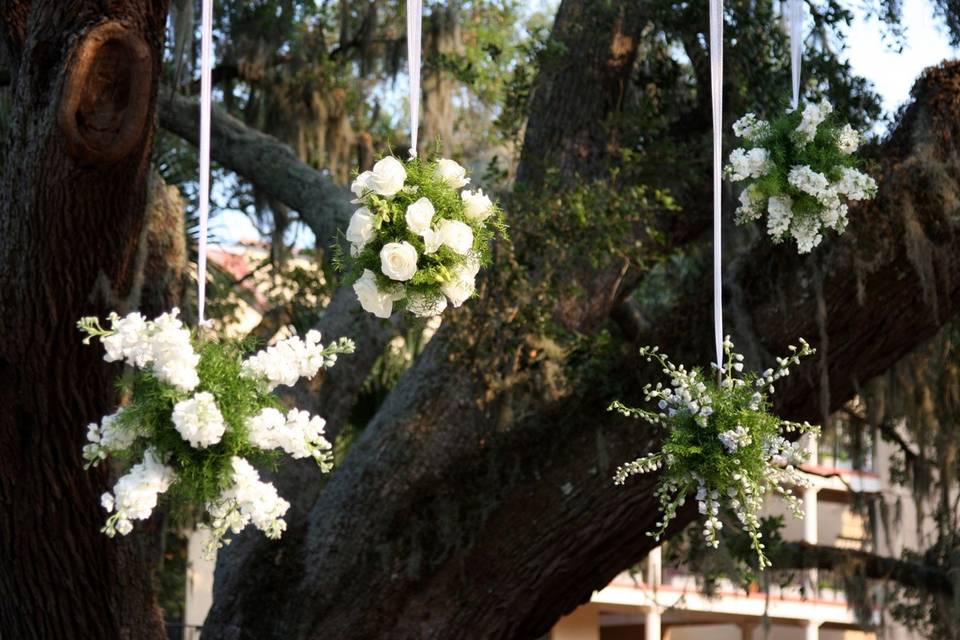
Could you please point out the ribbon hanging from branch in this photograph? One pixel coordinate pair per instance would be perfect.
(414, 29)
(206, 66)
(716, 87)
(794, 15)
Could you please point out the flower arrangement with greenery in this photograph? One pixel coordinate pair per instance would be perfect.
(417, 241)
(200, 413)
(798, 170)
(723, 444)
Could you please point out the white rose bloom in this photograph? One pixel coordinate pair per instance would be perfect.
(476, 206)
(387, 176)
(398, 261)
(424, 306)
(457, 235)
(419, 216)
(198, 420)
(360, 229)
(452, 173)
(361, 185)
(462, 285)
(432, 241)
(379, 303)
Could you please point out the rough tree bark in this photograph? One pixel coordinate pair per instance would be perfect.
(84, 78)
(472, 511)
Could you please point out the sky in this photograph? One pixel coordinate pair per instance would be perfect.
(892, 73)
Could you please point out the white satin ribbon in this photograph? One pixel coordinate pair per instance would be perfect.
(716, 86)
(794, 15)
(206, 66)
(414, 29)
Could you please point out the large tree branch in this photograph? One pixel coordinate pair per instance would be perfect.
(265, 161)
(802, 555)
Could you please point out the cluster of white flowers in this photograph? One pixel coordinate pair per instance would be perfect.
(733, 439)
(811, 118)
(298, 434)
(135, 495)
(293, 358)
(377, 190)
(786, 215)
(749, 164)
(197, 413)
(688, 408)
(106, 438)
(163, 345)
(248, 500)
(198, 420)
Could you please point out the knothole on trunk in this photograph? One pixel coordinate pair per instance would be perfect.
(106, 95)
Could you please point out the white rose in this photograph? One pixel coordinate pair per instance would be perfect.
(457, 235)
(360, 229)
(372, 299)
(476, 206)
(432, 239)
(424, 306)
(419, 216)
(387, 176)
(451, 173)
(361, 185)
(462, 285)
(398, 260)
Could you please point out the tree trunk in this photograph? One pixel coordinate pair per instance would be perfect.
(442, 40)
(84, 83)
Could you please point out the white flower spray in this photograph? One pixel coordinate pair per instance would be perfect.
(723, 446)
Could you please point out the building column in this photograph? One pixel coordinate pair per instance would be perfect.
(811, 631)
(746, 630)
(652, 622)
(810, 520)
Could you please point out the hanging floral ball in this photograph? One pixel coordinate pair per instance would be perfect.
(800, 170)
(419, 238)
(723, 445)
(200, 413)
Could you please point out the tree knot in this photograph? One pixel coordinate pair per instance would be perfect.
(107, 93)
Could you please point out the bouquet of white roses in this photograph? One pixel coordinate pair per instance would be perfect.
(799, 170)
(417, 241)
(199, 411)
(723, 445)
